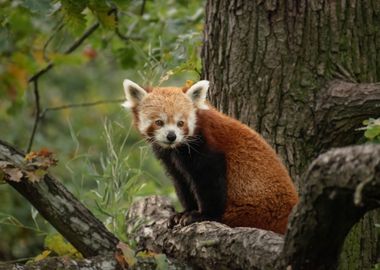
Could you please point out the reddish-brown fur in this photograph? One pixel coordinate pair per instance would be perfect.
(260, 192)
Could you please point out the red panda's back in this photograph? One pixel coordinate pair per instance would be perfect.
(260, 192)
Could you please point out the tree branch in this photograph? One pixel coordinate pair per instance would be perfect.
(58, 206)
(207, 245)
(37, 116)
(80, 105)
(69, 50)
(47, 43)
(101, 262)
(36, 76)
(142, 10)
(341, 186)
(340, 109)
(117, 29)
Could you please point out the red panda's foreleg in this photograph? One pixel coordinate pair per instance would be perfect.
(184, 194)
(209, 187)
(199, 175)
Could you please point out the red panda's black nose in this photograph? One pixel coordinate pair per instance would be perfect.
(171, 136)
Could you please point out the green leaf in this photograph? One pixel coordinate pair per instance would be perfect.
(101, 10)
(126, 56)
(16, 106)
(162, 262)
(68, 59)
(128, 253)
(72, 11)
(372, 132)
(40, 6)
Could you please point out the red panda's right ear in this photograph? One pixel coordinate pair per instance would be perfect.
(133, 93)
(197, 93)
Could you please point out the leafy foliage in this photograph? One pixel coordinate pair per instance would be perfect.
(151, 42)
(372, 130)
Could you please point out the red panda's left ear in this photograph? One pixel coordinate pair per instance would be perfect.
(197, 93)
(133, 93)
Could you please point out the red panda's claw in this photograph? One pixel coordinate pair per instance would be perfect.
(191, 217)
(174, 219)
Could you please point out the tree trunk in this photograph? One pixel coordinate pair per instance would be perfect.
(301, 73)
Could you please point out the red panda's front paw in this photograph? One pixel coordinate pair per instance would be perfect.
(191, 217)
(174, 219)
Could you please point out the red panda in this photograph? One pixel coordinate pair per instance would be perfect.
(221, 169)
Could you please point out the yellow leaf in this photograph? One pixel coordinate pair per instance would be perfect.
(146, 254)
(189, 83)
(59, 245)
(35, 176)
(41, 160)
(19, 73)
(42, 256)
(38, 56)
(128, 253)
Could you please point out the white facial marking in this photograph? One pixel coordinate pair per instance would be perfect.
(144, 123)
(162, 133)
(191, 122)
(127, 104)
(163, 117)
(177, 117)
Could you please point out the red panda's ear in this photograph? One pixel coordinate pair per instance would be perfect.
(133, 93)
(197, 93)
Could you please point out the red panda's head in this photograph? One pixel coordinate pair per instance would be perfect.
(166, 115)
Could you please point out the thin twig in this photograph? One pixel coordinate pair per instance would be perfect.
(37, 75)
(142, 8)
(79, 105)
(58, 28)
(37, 116)
(80, 40)
(124, 37)
(117, 30)
(69, 50)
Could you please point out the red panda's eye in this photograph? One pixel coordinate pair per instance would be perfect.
(159, 123)
(180, 124)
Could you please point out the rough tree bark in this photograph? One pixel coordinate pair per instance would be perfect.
(302, 73)
(205, 245)
(341, 186)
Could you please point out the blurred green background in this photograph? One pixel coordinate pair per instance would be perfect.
(102, 159)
